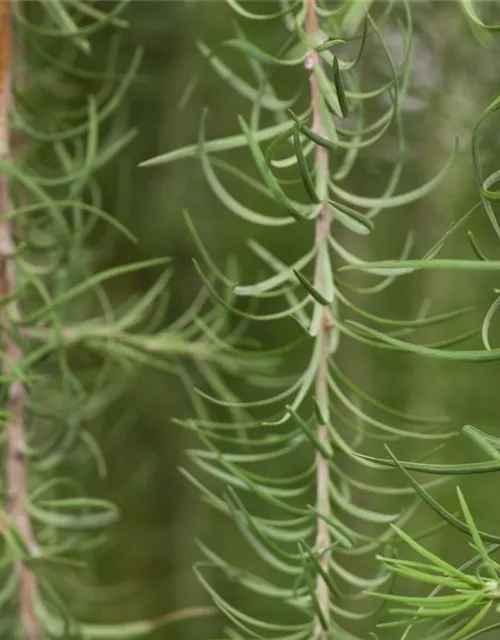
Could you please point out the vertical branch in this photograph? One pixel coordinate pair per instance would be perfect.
(16, 472)
(323, 222)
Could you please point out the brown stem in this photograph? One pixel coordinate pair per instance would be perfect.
(323, 222)
(16, 471)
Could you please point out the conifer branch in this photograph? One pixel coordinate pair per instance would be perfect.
(347, 416)
(16, 472)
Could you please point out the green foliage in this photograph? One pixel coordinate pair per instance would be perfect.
(66, 338)
(297, 466)
(311, 535)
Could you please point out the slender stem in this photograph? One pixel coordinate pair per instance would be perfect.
(170, 344)
(323, 222)
(16, 470)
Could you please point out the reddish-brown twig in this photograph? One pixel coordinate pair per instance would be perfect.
(16, 471)
(323, 222)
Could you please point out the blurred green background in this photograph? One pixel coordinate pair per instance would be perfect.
(453, 80)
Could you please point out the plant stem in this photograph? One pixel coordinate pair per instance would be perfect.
(161, 343)
(16, 470)
(323, 222)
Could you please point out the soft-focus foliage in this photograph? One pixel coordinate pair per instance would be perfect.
(66, 346)
(110, 353)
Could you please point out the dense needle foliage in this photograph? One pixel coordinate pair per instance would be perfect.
(325, 530)
(65, 341)
(325, 538)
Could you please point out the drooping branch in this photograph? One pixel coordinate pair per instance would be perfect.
(16, 470)
(323, 222)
